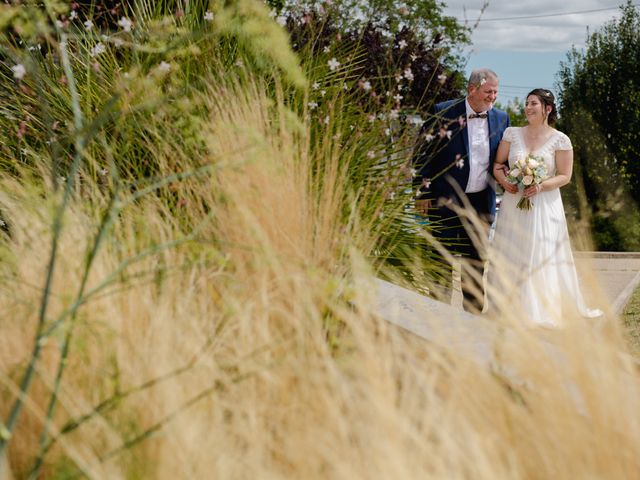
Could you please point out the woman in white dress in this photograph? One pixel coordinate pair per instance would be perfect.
(532, 270)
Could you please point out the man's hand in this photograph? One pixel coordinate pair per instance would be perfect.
(501, 166)
(500, 171)
(423, 206)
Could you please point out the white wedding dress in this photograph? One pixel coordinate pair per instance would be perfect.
(532, 272)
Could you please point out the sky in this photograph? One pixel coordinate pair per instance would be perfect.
(526, 52)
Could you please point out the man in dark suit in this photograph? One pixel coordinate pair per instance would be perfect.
(457, 148)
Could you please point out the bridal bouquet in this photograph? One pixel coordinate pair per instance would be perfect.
(527, 171)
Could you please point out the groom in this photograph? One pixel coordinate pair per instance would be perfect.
(454, 159)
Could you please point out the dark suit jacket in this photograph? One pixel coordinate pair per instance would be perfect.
(438, 161)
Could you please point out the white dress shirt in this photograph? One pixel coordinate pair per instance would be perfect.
(479, 151)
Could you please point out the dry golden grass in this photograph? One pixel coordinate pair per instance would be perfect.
(269, 358)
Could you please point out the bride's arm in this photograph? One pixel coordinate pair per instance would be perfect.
(564, 169)
(499, 167)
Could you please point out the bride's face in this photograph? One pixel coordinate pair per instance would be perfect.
(534, 110)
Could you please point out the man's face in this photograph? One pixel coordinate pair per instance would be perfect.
(482, 97)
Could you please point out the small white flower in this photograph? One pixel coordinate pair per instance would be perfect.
(415, 120)
(397, 97)
(88, 24)
(73, 15)
(239, 63)
(429, 137)
(483, 81)
(442, 78)
(366, 86)
(459, 161)
(333, 64)
(323, 93)
(413, 57)
(402, 44)
(98, 49)
(371, 118)
(345, 86)
(19, 71)
(444, 133)
(35, 47)
(408, 74)
(426, 182)
(103, 172)
(125, 23)
(394, 114)
(118, 42)
(312, 105)
(326, 49)
(3, 223)
(315, 85)
(414, 172)
(282, 20)
(326, 120)
(352, 127)
(208, 16)
(59, 24)
(371, 154)
(164, 67)
(387, 131)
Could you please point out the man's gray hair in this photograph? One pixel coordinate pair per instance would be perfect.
(481, 75)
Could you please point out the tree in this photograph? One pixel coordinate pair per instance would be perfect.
(600, 94)
(423, 17)
(407, 51)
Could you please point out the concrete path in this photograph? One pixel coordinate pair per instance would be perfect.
(617, 274)
(470, 336)
(607, 278)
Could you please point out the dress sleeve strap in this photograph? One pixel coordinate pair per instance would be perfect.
(563, 142)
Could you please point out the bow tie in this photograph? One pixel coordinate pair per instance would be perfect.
(478, 115)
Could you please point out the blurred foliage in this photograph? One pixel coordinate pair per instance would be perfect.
(141, 70)
(600, 94)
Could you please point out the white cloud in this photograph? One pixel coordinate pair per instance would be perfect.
(547, 34)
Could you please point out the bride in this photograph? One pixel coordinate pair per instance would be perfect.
(532, 264)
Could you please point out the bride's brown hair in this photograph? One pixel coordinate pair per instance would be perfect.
(546, 98)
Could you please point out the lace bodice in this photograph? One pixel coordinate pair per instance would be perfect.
(557, 141)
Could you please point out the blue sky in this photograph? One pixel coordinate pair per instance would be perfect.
(526, 52)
